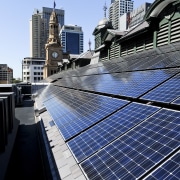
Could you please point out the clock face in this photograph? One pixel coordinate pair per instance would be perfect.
(54, 54)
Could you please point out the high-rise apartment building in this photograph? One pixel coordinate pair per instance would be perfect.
(117, 9)
(72, 38)
(39, 30)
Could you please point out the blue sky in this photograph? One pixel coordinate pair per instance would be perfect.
(15, 16)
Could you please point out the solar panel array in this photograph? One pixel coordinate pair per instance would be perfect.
(167, 92)
(169, 170)
(108, 130)
(137, 151)
(73, 112)
(130, 84)
(121, 119)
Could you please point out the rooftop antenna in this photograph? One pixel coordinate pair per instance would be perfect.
(105, 8)
(89, 45)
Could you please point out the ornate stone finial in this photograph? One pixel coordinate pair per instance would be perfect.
(105, 8)
(89, 45)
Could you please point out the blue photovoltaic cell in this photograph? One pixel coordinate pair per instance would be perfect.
(106, 131)
(52, 92)
(99, 111)
(169, 170)
(47, 93)
(77, 112)
(137, 151)
(166, 92)
(66, 103)
(177, 101)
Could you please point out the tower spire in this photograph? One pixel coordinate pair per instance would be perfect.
(89, 45)
(105, 8)
(53, 29)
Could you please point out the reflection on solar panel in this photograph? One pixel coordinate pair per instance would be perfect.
(111, 128)
(75, 111)
(169, 170)
(131, 84)
(139, 150)
(144, 61)
(48, 93)
(38, 88)
(166, 92)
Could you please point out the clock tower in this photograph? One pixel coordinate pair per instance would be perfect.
(54, 53)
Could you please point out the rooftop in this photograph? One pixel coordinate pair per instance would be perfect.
(114, 114)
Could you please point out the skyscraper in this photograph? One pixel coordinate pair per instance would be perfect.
(71, 37)
(39, 30)
(117, 9)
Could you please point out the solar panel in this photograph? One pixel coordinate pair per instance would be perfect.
(138, 151)
(166, 92)
(68, 104)
(109, 129)
(115, 139)
(38, 88)
(130, 84)
(75, 111)
(177, 101)
(144, 61)
(47, 93)
(146, 81)
(169, 170)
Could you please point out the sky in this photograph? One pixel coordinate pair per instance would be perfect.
(15, 17)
